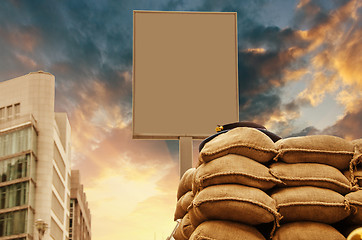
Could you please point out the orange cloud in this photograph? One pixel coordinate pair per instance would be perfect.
(25, 39)
(26, 61)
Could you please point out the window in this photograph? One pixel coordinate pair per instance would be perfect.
(2, 113)
(13, 223)
(14, 195)
(9, 111)
(17, 109)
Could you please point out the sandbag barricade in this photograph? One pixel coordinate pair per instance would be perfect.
(298, 185)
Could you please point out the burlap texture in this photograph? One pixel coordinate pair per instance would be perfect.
(233, 168)
(233, 202)
(307, 203)
(185, 229)
(355, 165)
(248, 142)
(355, 200)
(182, 204)
(324, 149)
(307, 231)
(186, 182)
(355, 178)
(311, 174)
(225, 230)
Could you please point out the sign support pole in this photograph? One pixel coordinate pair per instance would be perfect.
(185, 154)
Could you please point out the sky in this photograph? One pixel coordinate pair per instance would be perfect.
(300, 73)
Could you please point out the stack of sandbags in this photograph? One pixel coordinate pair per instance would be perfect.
(230, 184)
(312, 195)
(184, 198)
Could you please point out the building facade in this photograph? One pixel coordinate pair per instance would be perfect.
(80, 217)
(34, 160)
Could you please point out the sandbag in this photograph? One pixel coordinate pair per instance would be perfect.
(311, 174)
(184, 229)
(185, 184)
(354, 177)
(233, 202)
(307, 231)
(236, 169)
(248, 142)
(355, 200)
(324, 149)
(307, 203)
(356, 164)
(225, 230)
(182, 204)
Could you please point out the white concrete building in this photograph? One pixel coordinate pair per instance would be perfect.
(34, 159)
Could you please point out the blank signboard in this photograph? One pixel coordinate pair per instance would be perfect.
(185, 79)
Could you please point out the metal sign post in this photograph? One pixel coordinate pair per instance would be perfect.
(185, 154)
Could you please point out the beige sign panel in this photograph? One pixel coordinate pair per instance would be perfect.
(185, 78)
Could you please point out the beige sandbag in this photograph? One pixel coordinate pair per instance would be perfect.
(233, 168)
(185, 184)
(324, 149)
(248, 142)
(184, 229)
(225, 230)
(233, 202)
(309, 203)
(307, 231)
(311, 174)
(355, 200)
(182, 204)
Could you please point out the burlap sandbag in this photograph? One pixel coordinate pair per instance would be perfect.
(355, 200)
(311, 174)
(182, 204)
(185, 184)
(324, 149)
(233, 168)
(356, 164)
(307, 231)
(225, 230)
(309, 203)
(184, 229)
(233, 202)
(248, 142)
(355, 178)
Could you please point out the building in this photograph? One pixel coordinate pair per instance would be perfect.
(80, 217)
(34, 160)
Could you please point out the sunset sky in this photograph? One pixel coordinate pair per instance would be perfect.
(300, 73)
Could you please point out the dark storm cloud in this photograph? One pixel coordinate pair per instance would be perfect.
(348, 127)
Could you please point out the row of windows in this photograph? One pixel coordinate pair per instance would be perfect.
(13, 223)
(14, 195)
(18, 141)
(17, 167)
(10, 111)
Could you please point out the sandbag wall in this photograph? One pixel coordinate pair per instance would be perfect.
(302, 187)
